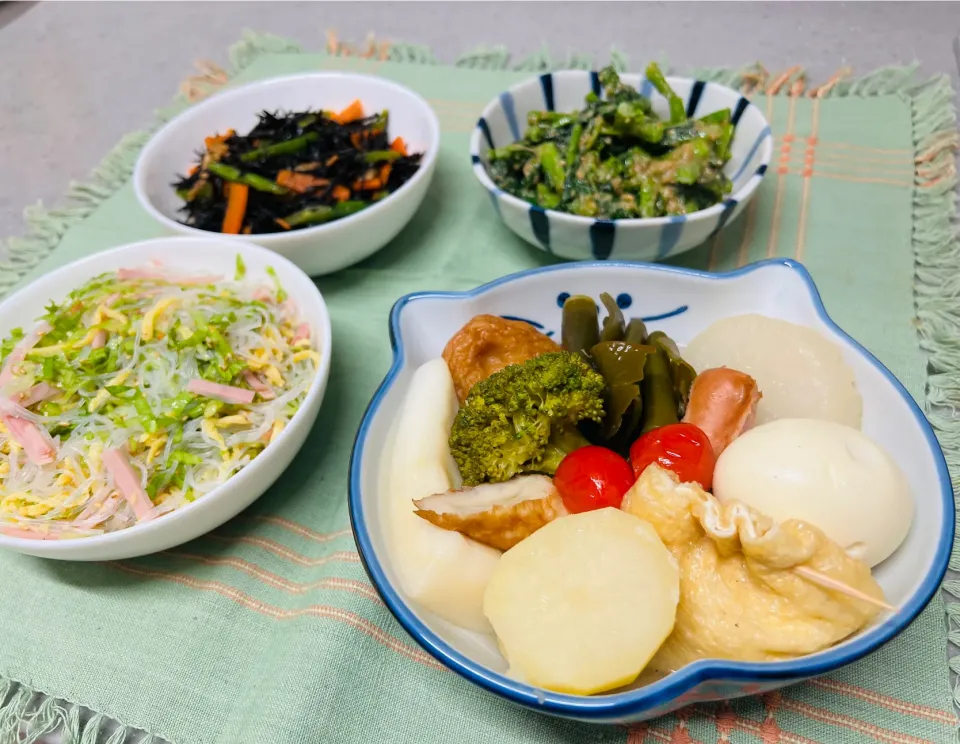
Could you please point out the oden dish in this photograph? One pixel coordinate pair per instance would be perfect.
(522, 506)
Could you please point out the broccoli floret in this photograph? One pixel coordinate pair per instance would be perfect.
(523, 418)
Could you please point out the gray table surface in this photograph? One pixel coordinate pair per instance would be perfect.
(75, 77)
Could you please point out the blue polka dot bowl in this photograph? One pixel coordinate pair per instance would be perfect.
(585, 238)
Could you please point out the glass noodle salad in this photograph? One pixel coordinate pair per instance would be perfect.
(142, 391)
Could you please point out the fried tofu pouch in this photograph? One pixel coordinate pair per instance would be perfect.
(739, 597)
(487, 344)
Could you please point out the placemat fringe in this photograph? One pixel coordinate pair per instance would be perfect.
(26, 714)
(937, 253)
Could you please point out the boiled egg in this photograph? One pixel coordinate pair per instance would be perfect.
(830, 475)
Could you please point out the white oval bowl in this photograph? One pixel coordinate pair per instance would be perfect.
(682, 303)
(207, 256)
(650, 239)
(317, 250)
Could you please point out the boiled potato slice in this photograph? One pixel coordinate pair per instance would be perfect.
(801, 373)
(582, 604)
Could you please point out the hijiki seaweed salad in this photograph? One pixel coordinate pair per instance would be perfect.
(616, 158)
(142, 391)
(294, 170)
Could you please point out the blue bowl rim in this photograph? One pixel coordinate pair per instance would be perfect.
(625, 705)
(740, 196)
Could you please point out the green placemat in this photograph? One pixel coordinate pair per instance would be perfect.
(268, 631)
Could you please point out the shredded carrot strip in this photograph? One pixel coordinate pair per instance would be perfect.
(385, 173)
(331, 160)
(351, 113)
(369, 184)
(283, 223)
(355, 139)
(236, 208)
(398, 145)
(341, 193)
(300, 182)
(218, 138)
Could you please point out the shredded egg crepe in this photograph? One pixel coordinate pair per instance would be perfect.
(141, 392)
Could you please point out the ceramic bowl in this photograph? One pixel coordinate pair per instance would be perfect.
(324, 248)
(205, 256)
(682, 303)
(584, 238)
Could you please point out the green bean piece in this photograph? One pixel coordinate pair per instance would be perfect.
(381, 120)
(547, 198)
(659, 402)
(688, 173)
(320, 214)
(235, 175)
(509, 151)
(678, 111)
(721, 116)
(580, 330)
(630, 119)
(617, 91)
(288, 147)
(649, 194)
(614, 325)
(552, 165)
(724, 141)
(636, 332)
(676, 135)
(573, 148)
(381, 156)
(682, 374)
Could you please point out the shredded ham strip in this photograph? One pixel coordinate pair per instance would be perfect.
(99, 339)
(127, 481)
(226, 393)
(266, 392)
(39, 392)
(97, 512)
(303, 331)
(34, 440)
(27, 534)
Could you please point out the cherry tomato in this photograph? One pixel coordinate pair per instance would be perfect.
(592, 478)
(682, 448)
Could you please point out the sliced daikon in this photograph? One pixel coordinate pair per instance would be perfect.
(441, 571)
(800, 372)
(583, 604)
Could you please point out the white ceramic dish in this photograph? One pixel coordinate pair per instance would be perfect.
(206, 256)
(316, 250)
(682, 303)
(584, 238)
